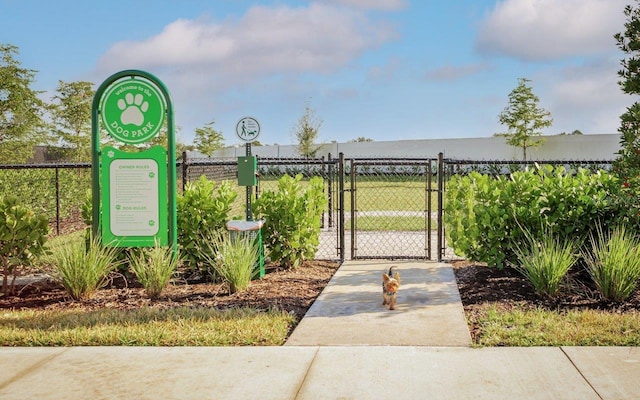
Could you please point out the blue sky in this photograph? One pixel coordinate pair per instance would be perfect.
(381, 69)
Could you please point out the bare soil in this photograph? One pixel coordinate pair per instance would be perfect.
(290, 290)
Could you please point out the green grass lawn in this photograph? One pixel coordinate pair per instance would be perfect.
(145, 327)
(542, 327)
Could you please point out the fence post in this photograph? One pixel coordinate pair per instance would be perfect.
(184, 170)
(57, 201)
(440, 205)
(352, 174)
(341, 206)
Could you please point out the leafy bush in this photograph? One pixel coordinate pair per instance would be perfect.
(202, 209)
(23, 234)
(153, 267)
(292, 219)
(545, 261)
(482, 213)
(614, 263)
(83, 269)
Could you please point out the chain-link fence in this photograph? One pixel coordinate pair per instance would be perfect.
(392, 208)
(56, 190)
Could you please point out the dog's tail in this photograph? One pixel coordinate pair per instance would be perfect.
(391, 269)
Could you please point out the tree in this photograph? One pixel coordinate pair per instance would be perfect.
(627, 164)
(21, 110)
(72, 116)
(306, 132)
(208, 140)
(523, 118)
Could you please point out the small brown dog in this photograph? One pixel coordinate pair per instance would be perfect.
(390, 285)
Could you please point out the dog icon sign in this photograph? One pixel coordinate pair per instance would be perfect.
(248, 129)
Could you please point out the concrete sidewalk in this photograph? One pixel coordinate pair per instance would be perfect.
(309, 372)
(347, 347)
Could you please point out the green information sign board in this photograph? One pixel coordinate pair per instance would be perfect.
(133, 193)
(132, 111)
(134, 197)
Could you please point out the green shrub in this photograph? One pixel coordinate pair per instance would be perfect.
(23, 234)
(153, 267)
(83, 269)
(292, 219)
(614, 263)
(482, 213)
(232, 257)
(202, 211)
(545, 261)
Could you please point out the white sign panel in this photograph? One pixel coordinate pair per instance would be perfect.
(248, 129)
(134, 197)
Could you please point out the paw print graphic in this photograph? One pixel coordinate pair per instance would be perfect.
(133, 109)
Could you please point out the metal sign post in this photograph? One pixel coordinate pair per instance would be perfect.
(248, 130)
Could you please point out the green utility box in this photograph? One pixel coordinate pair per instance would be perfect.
(247, 168)
(254, 230)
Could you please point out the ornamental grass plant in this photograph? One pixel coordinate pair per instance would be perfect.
(545, 261)
(84, 267)
(613, 262)
(232, 257)
(154, 268)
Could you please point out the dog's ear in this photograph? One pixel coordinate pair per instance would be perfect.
(397, 277)
(385, 278)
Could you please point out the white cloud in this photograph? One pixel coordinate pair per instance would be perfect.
(587, 97)
(266, 40)
(551, 29)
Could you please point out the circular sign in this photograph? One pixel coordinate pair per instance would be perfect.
(248, 129)
(132, 111)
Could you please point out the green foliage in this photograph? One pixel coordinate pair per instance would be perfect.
(482, 213)
(614, 263)
(233, 257)
(21, 111)
(523, 118)
(545, 261)
(153, 267)
(203, 209)
(207, 139)
(292, 219)
(83, 269)
(306, 132)
(72, 115)
(627, 164)
(23, 234)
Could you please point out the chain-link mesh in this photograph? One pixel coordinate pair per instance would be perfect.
(392, 208)
(56, 190)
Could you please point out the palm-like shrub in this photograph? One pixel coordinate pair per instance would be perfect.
(614, 263)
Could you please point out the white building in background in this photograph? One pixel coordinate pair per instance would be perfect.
(602, 147)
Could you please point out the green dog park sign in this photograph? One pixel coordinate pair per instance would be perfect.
(134, 193)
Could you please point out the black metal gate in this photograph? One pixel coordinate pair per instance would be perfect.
(393, 210)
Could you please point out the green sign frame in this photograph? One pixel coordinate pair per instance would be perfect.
(134, 198)
(132, 100)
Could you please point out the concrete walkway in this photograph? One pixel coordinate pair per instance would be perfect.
(349, 311)
(347, 347)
